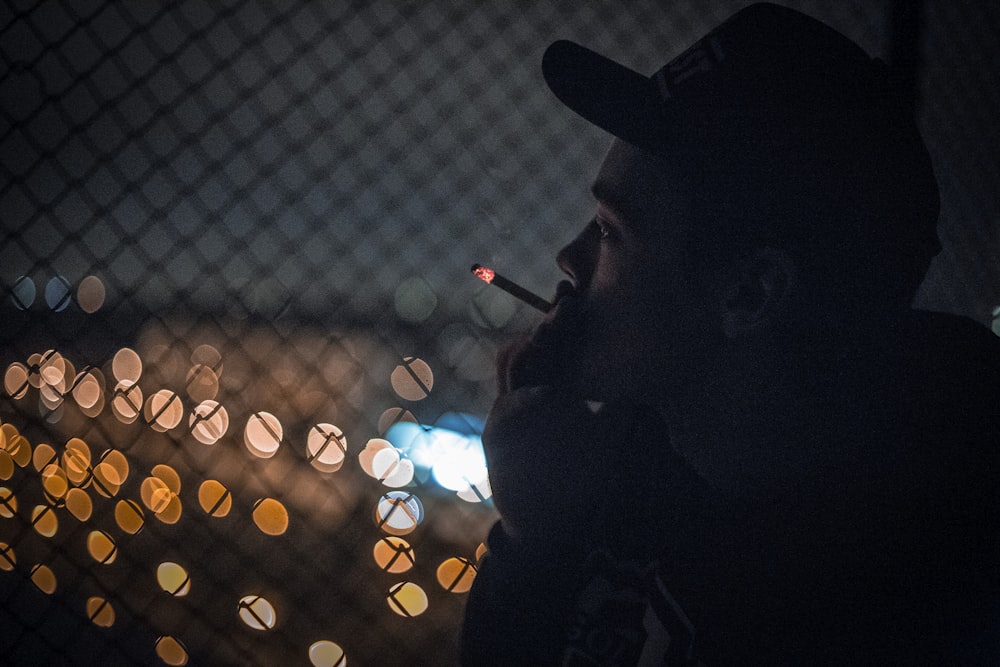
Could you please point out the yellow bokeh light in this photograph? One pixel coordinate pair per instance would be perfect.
(8, 503)
(168, 476)
(163, 410)
(100, 612)
(7, 557)
(456, 574)
(78, 504)
(155, 494)
(44, 578)
(76, 461)
(257, 612)
(412, 380)
(325, 653)
(43, 456)
(126, 366)
(270, 516)
(102, 547)
(407, 599)
(214, 498)
(17, 446)
(481, 551)
(90, 294)
(209, 421)
(171, 651)
(44, 519)
(129, 516)
(171, 514)
(263, 434)
(54, 481)
(173, 578)
(394, 554)
(6, 465)
(110, 473)
(15, 380)
(326, 447)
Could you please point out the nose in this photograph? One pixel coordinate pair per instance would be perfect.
(576, 259)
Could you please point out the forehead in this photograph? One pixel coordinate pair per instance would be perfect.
(648, 192)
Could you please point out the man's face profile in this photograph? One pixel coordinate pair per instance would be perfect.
(645, 319)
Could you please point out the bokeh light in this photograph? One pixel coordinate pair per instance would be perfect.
(412, 380)
(110, 473)
(54, 482)
(155, 494)
(45, 521)
(15, 380)
(394, 554)
(257, 612)
(398, 512)
(79, 504)
(102, 547)
(164, 410)
(171, 651)
(44, 578)
(209, 422)
(456, 574)
(325, 653)
(129, 516)
(126, 401)
(126, 366)
(8, 559)
(8, 503)
(326, 447)
(90, 294)
(202, 383)
(76, 461)
(173, 578)
(214, 498)
(100, 612)
(263, 434)
(415, 300)
(207, 355)
(23, 293)
(407, 599)
(270, 516)
(57, 293)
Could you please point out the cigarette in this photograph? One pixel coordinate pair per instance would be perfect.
(493, 278)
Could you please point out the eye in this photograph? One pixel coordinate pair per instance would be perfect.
(603, 227)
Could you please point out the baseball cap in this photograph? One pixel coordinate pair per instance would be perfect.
(771, 101)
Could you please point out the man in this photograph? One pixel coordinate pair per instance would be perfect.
(732, 442)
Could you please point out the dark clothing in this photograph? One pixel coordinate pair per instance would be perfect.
(882, 548)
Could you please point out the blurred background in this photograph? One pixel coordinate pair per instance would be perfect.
(245, 364)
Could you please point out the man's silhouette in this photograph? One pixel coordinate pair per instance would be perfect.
(732, 442)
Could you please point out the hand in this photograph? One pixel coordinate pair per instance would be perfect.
(566, 477)
(543, 358)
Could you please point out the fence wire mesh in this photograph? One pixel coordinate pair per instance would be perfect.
(245, 365)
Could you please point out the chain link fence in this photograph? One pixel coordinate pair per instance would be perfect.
(245, 366)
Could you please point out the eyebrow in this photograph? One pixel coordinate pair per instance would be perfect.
(604, 194)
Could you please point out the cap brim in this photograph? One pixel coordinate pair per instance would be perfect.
(611, 96)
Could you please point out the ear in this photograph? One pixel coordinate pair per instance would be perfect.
(759, 291)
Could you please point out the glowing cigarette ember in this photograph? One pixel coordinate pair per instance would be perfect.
(493, 278)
